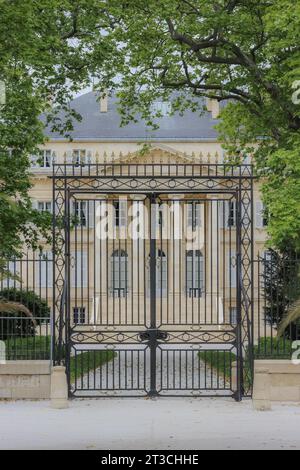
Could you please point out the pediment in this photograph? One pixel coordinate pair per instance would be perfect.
(155, 154)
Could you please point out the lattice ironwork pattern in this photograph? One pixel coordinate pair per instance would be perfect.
(163, 313)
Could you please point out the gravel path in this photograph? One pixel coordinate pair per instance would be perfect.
(179, 372)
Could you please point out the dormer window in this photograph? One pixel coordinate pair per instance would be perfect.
(193, 215)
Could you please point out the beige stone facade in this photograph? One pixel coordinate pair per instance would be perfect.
(175, 305)
(195, 279)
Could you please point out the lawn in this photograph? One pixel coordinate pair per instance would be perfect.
(220, 361)
(30, 348)
(267, 348)
(38, 348)
(85, 362)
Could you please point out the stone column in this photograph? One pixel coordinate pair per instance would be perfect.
(262, 390)
(59, 388)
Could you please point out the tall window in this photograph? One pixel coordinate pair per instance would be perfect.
(45, 160)
(120, 213)
(80, 213)
(44, 270)
(261, 215)
(231, 220)
(227, 213)
(161, 274)
(193, 215)
(194, 273)
(79, 269)
(119, 273)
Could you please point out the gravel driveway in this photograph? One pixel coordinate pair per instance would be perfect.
(179, 372)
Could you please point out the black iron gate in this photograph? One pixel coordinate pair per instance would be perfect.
(154, 279)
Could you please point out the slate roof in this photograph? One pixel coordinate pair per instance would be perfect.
(106, 126)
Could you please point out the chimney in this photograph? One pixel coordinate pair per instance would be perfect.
(213, 106)
(104, 103)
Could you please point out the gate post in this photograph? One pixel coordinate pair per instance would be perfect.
(152, 339)
(239, 283)
(59, 388)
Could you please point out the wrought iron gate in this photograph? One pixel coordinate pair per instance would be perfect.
(154, 279)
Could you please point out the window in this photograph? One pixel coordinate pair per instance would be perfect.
(233, 315)
(231, 220)
(11, 275)
(261, 215)
(193, 215)
(119, 273)
(44, 206)
(227, 214)
(44, 270)
(79, 267)
(120, 213)
(268, 262)
(161, 274)
(45, 160)
(194, 273)
(79, 157)
(80, 213)
(79, 315)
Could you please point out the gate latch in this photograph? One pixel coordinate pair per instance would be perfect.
(153, 335)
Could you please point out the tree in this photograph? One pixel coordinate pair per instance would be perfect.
(20, 312)
(281, 287)
(244, 53)
(39, 62)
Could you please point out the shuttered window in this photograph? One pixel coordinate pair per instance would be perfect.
(120, 213)
(79, 269)
(194, 273)
(44, 270)
(193, 215)
(119, 273)
(261, 218)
